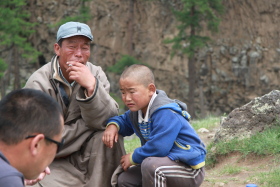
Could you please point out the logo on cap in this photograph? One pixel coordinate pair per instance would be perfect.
(79, 29)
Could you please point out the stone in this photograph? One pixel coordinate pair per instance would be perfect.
(203, 130)
(211, 136)
(255, 116)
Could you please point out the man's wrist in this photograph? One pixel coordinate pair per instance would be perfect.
(89, 91)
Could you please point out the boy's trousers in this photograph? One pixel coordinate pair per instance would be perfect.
(161, 172)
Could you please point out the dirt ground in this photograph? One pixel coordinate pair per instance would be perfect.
(249, 167)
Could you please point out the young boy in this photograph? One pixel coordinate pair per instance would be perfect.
(172, 153)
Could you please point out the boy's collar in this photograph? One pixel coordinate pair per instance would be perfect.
(140, 114)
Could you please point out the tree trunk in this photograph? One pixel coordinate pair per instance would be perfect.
(130, 28)
(16, 69)
(3, 85)
(5, 81)
(192, 80)
(201, 100)
(192, 73)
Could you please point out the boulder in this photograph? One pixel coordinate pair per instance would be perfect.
(255, 116)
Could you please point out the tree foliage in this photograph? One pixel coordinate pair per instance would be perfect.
(193, 16)
(124, 62)
(15, 27)
(83, 15)
(15, 31)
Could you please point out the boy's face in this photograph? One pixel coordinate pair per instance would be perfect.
(135, 95)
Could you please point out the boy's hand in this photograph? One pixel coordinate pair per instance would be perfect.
(125, 161)
(110, 135)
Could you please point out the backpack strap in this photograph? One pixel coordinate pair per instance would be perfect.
(184, 112)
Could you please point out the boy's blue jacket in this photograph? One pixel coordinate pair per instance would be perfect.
(167, 133)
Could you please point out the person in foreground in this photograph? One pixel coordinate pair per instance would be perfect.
(31, 126)
(172, 153)
(82, 91)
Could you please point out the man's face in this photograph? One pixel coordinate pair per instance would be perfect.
(45, 156)
(75, 48)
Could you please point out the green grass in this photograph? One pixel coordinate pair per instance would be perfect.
(231, 170)
(269, 179)
(264, 143)
(261, 144)
(209, 122)
(131, 143)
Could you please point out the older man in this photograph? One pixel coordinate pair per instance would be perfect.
(82, 91)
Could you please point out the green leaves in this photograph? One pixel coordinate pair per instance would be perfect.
(15, 28)
(124, 62)
(83, 15)
(193, 17)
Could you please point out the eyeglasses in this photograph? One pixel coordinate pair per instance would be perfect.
(59, 144)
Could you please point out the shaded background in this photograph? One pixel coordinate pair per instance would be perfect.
(241, 62)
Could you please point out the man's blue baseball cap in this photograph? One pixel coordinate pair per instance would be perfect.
(73, 29)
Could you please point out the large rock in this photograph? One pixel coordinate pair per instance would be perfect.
(257, 115)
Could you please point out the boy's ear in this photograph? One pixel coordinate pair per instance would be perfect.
(36, 144)
(152, 88)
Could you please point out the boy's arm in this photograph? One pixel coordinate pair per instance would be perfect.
(123, 124)
(117, 125)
